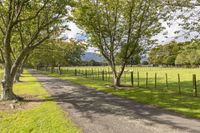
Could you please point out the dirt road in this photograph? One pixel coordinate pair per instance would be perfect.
(97, 112)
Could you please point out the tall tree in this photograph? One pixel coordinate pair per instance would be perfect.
(119, 27)
(166, 54)
(189, 55)
(31, 22)
(74, 51)
(57, 53)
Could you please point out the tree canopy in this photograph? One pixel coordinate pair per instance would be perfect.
(24, 25)
(57, 53)
(174, 53)
(119, 28)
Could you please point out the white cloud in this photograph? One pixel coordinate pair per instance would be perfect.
(92, 49)
(74, 30)
(169, 33)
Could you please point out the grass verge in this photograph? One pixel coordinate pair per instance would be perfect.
(46, 117)
(184, 104)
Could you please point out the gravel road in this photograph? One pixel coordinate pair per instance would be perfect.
(97, 112)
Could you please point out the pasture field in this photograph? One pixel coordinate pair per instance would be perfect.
(161, 95)
(166, 78)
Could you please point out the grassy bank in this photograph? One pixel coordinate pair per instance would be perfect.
(45, 117)
(171, 100)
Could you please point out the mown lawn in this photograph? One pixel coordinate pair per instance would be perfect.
(46, 117)
(185, 104)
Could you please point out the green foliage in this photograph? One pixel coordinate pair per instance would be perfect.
(119, 28)
(58, 53)
(166, 54)
(45, 117)
(93, 63)
(73, 52)
(135, 60)
(24, 25)
(189, 55)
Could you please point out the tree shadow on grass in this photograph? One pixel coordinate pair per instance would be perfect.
(47, 99)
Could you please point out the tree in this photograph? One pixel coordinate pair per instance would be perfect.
(31, 22)
(153, 56)
(74, 51)
(57, 53)
(135, 59)
(119, 27)
(189, 55)
(166, 54)
(145, 63)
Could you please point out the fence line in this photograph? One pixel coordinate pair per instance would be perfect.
(146, 82)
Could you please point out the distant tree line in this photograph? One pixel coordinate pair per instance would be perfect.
(174, 53)
(93, 63)
(57, 53)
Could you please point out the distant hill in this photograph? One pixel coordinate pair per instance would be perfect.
(88, 56)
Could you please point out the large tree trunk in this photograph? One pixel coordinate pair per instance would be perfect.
(7, 82)
(7, 86)
(117, 81)
(59, 70)
(52, 69)
(46, 68)
(20, 70)
(37, 67)
(10, 70)
(7, 93)
(17, 75)
(117, 76)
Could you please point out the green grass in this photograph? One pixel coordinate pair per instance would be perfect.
(172, 73)
(169, 98)
(46, 117)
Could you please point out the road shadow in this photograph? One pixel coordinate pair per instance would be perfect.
(89, 102)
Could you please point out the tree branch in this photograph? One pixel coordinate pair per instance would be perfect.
(36, 14)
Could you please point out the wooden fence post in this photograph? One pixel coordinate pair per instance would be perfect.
(103, 75)
(132, 80)
(75, 72)
(125, 76)
(155, 80)
(179, 84)
(194, 85)
(138, 78)
(108, 75)
(86, 73)
(166, 80)
(146, 79)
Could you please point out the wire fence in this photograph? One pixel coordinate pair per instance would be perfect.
(172, 80)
